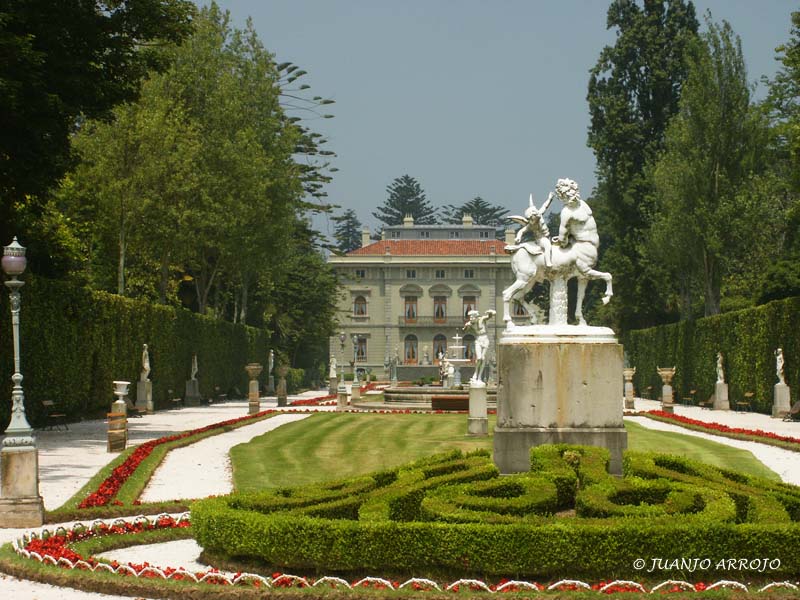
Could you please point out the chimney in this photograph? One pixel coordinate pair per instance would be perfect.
(510, 233)
(466, 220)
(365, 241)
(408, 221)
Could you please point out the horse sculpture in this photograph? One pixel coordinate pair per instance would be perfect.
(573, 253)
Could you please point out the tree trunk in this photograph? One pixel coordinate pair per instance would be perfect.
(243, 308)
(712, 292)
(164, 281)
(121, 263)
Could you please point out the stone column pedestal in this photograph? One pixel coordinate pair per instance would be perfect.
(667, 399)
(144, 395)
(629, 392)
(355, 391)
(192, 397)
(478, 421)
(281, 391)
(333, 384)
(271, 385)
(341, 398)
(21, 504)
(721, 396)
(781, 400)
(558, 384)
(117, 428)
(254, 401)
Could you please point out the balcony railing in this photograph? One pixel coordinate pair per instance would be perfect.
(431, 322)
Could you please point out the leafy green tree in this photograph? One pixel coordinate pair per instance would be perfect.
(348, 231)
(60, 62)
(706, 210)
(633, 92)
(405, 197)
(481, 211)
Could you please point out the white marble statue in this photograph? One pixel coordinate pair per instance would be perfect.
(477, 326)
(572, 253)
(194, 367)
(145, 374)
(332, 368)
(720, 370)
(779, 362)
(271, 362)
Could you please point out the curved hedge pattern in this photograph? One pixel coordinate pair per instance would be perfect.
(454, 513)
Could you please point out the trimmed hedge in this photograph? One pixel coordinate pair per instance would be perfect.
(453, 514)
(747, 339)
(75, 342)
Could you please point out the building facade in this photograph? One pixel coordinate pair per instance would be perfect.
(407, 295)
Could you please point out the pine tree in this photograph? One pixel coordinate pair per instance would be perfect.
(481, 211)
(406, 198)
(348, 231)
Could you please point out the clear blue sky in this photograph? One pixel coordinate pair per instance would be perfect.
(470, 97)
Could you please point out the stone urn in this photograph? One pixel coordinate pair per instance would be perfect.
(121, 392)
(628, 374)
(666, 375)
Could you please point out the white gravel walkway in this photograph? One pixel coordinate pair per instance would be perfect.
(204, 468)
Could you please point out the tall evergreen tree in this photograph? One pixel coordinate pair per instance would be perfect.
(633, 92)
(348, 231)
(405, 198)
(481, 211)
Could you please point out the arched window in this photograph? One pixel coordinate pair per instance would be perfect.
(469, 347)
(411, 309)
(439, 347)
(469, 304)
(440, 309)
(360, 306)
(361, 350)
(410, 350)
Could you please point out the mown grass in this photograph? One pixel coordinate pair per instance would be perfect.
(335, 445)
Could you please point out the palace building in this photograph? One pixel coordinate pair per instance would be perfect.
(408, 294)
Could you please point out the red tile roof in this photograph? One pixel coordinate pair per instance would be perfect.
(431, 248)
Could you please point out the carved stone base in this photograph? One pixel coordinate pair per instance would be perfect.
(721, 397)
(512, 447)
(355, 391)
(341, 399)
(19, 472)
(558, 384)
(193, 397)
(781, 404)
(478, 421)
(144, 396)
(333, 383)
(21, 512)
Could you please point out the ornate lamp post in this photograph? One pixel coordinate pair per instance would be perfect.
(341, 391)
(21, 504)
(355, 391)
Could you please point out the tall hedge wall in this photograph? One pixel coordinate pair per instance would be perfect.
(75, 342)
(747, 339)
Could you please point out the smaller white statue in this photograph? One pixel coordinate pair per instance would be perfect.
(720, 371)
(194, 367)
(426, 355)
(779, 362)
(332, 368)
(272, 361)
(145, 374)
(477, 325)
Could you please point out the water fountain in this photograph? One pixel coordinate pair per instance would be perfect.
(457, 350)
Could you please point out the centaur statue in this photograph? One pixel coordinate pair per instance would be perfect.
(572, 253)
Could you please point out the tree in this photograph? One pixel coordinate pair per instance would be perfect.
(348, 231)
(481, 211)
(61, 62)
(405, 198)
(706, 208)
(633, 92)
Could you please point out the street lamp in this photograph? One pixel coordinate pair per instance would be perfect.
(20, 505)
(19, 432)
(355, 356)
(342, 387)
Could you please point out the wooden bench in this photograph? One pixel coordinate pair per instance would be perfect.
(689, 400)
(794, 413)
(708, 404)
(55, 417)
(449, 402)
(745, 403)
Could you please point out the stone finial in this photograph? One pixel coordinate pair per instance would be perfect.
(365, 239)
(466, 220)
(408, 221)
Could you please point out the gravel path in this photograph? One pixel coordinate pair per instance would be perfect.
(204, 468)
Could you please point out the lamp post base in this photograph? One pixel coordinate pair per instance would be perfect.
(21, 512)
(20, 505)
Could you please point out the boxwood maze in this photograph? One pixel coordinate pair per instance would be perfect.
(454, 514)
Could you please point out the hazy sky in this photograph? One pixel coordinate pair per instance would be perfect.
(470, 97)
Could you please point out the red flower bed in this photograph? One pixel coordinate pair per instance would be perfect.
(724, 428)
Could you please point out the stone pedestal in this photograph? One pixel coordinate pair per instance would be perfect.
(192, 397)
(629, 392)
(781, 400)
(271, 385)
(558, 384)
(333, 384)
(478, 421)
(721, 396)
(117, 428)
(253, 397)
(341, 398)
(281, 391)
(355, 391)
(21, 504)
(667, 398)
(144, 395)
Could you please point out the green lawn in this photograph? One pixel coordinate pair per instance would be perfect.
(334, 445)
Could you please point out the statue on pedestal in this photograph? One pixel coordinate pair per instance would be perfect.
(194, 367)
(332, 368)
(572, 253)
(477, 325)
(720, 370)
(145, 374)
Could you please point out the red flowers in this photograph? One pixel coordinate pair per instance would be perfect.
(724, 428)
